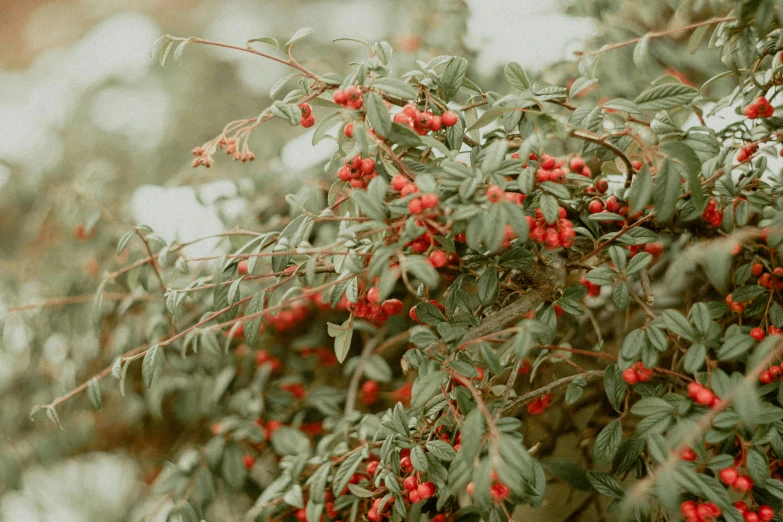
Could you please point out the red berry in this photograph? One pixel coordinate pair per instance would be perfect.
(412, 315)
(577, 163)
(374, 295)
(410, 110)
(765, 513)
(757, 333)
(249, 461)
(750, 516)
(307, 122)
(449, 118)
(688, 454)
(601, 185)
(438, 258)
(430, 200)
(399, 182)
(728, 476)
(339, 97)
(595, 206)
(415, 206)
(423, 120)
(765, 377)
(242, 267)
(630, 376)
(547, 162)
(436, 123)
(392, 306)
(348, 130)
(371, 467)
(306, 109)
(756, 269)
(499, 491)
(494, 194)
(405, 465)
(426, 490)
(742, 484)
(410, 483)
(367, 165)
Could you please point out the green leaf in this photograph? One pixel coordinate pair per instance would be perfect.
(346, 470)
(290, 441)
(608, 442)
(696, 38)
(378, 115)
(638, 263)
(614, 385)
(124, 241)
(605, 484)
(369, 205)
(94, 393)
(641, 191)
(516, 76)
(678, 324)
(621, 104)
(232, 466)
(442, 450)
(149, 363)
(253, 327)
(747, 293)
(427, 386)
(735, 346)
(419, 459)
(640, 51)
(302, 33)
(265, 40)
(395, 87)
(429, 313)
(548, 205)
(453, 77)
(694, 358)
(666, 191)
(488, 286)
(690, 163)
(665, 96)
(575, 390)
(343, 334)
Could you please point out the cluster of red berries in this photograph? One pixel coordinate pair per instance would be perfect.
(263, 358)
(703, 395)
(637, 373)
(769, 280)
(774, 373)
(308, 119)
(424, 121)
(326, 356)
(711, 215)
(495, 194)
(296, 389)
(759, 108)
(442, 433)
(762, 514)
(539, 405)
(739, 483)
(424, 202)
(549, 170)
(351, 97)
(357, 171)
(558, 234)
(286, 319)
(301, 514)
(370, 307)
(702, 512)
(375, 512)
(418, 491)
(735, 307)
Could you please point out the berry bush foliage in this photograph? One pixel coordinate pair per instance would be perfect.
(476, 275)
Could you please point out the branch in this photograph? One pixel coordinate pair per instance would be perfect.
(535, 394)
(599, 140)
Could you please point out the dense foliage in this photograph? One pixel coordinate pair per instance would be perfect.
(481, 276)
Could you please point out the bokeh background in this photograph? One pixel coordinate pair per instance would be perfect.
(95, 137)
